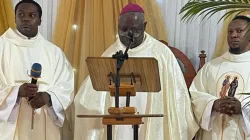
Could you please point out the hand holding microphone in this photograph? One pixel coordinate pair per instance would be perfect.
(41, 98)
(27, 90)
(30, 89)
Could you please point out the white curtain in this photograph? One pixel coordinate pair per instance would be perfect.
(192, 37)
(49, 8)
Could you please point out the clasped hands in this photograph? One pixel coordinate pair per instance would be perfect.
(228, 105)
(35, 99)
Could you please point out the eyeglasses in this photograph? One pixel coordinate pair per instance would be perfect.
(136, 33)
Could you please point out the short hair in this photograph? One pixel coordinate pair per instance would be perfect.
(247, 19)
(32, 2)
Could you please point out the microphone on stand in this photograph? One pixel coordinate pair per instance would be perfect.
(120, 58)
(131, 40)
(131, 36)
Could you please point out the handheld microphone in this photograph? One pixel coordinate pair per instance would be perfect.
(35, 73)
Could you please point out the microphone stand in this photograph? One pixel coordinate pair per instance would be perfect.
(120, 58)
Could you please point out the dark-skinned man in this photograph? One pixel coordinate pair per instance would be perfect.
(225, 116)
(53, 93)
(173, 100)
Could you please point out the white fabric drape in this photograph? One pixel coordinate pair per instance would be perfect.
(49, 8)
(192, 37)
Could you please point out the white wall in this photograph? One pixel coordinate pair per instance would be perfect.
(49, 8)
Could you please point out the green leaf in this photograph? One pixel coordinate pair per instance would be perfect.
(196, 8)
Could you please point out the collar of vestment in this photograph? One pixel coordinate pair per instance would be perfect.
(25, 37)
(244, 57)
(21, 40)
(142, 46)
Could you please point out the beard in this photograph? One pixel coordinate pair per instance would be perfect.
(235, 50)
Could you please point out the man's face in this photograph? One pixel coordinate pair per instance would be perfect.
(27, 19)
(131, 23)
(236, 37)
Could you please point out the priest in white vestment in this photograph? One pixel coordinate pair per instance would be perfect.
(217, 103)
(173, 100)
(53, 93)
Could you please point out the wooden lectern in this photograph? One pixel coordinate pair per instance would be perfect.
(136, 75)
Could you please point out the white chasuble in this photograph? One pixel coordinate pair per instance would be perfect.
(173, 101)
(227, 75)
(17, 55)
